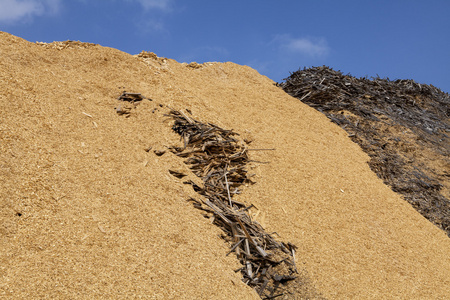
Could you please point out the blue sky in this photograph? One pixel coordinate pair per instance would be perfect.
(406, 39)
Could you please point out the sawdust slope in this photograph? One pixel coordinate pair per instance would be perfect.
(85, 211)
(100, 217)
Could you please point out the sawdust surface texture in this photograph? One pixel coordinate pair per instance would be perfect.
(86, 211)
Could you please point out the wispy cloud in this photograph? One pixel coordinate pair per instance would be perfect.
(155, 12)
(20, 10)
(163, 5)
(313, 47)
(284, 54)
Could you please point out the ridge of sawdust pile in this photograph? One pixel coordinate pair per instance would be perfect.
(150, 58)
(66, 44)
(86, 211)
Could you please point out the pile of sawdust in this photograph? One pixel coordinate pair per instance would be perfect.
(402, 125)
(86, 211)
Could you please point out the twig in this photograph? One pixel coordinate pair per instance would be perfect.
(86, 114)
(228, 189)
(235, 246)
(186, 117)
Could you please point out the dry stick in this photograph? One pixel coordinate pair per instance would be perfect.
(293, 259)
(86, 114)
(235, 246)
(263, 287)
(257, 270)
(247, 208)
(305, 96)
(260, 250)
(248, 263)
(218, 212)
(228, 189)
(129, 94)
(186, 117)
(274, 296)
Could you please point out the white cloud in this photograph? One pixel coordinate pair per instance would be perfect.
(164, 5)
(155, 11)
(313, 47)
(18, 10)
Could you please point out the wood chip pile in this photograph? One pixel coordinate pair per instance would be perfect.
(401, 124)
(219, 159)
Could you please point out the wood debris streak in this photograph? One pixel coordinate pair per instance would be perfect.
(217, 157)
